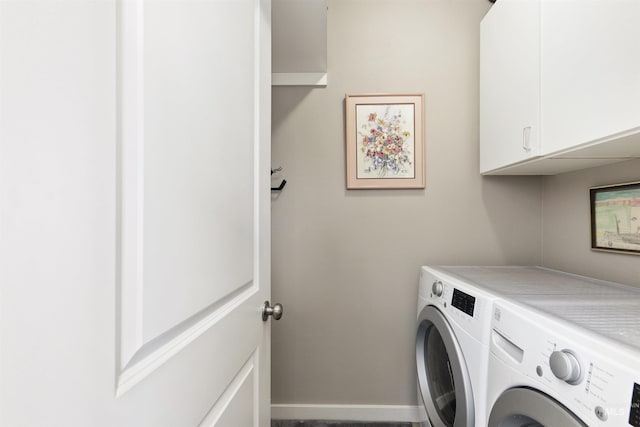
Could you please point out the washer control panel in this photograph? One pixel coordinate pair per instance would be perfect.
(464, 305)
(463, 301)
(596, 379)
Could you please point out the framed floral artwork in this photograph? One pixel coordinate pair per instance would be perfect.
(615, 218)
(385, 141)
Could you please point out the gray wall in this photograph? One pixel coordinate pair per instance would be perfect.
(566, 218)
(345, 263)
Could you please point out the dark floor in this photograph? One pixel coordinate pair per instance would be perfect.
(320, 423)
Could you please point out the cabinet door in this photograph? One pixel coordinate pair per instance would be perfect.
(509, 83)
(590, 71)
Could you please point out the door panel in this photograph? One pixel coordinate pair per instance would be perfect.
(198, 157)
(134, 212)
(231, 407)
(191, 207)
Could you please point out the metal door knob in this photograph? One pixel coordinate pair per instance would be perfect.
(275, 311)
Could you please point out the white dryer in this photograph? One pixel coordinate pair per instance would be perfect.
(452, 341)
(452, 351)
(564, 364)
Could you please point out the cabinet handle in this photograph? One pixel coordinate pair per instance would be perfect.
(526, 136)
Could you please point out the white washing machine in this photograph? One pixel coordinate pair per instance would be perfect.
(453, 362)
(452, 350)
(565, 363)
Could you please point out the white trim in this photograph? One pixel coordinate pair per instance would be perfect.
(390, 413)
(157, 352)
(298, 79)
(130, 178)
(247, 372)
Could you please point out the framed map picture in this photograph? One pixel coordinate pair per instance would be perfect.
(615, 218)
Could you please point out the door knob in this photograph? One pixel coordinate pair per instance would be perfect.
(275, 311)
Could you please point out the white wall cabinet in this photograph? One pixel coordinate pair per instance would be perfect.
(510, 90)
(299, 42)
(560, 85)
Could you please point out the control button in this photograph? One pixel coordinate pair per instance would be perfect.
(565, 366)
(601, 413)
(437, 288)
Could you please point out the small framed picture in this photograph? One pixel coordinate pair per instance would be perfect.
(615, 218)
(385, 141)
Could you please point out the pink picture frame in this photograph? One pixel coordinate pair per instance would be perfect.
(385, 141)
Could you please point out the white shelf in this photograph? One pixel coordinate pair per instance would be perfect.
(299, 79)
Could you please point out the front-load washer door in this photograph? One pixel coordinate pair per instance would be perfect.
(443, 379)
(526, 407)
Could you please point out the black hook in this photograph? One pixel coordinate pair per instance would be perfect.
(279, 187)
(282, 184)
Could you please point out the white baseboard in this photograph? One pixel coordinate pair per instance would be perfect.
(371, 413)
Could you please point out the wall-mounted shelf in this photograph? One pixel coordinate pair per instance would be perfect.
(299, 79)
(299, 43)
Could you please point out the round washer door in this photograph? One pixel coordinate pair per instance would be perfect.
(443, 379)
(520, 407)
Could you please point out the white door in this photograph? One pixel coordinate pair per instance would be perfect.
(134, 212)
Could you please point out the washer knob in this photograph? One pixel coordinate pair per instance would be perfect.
(437, 288)
(565, 366)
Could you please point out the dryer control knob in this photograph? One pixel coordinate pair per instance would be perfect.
(437, 288)
(565, 366)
